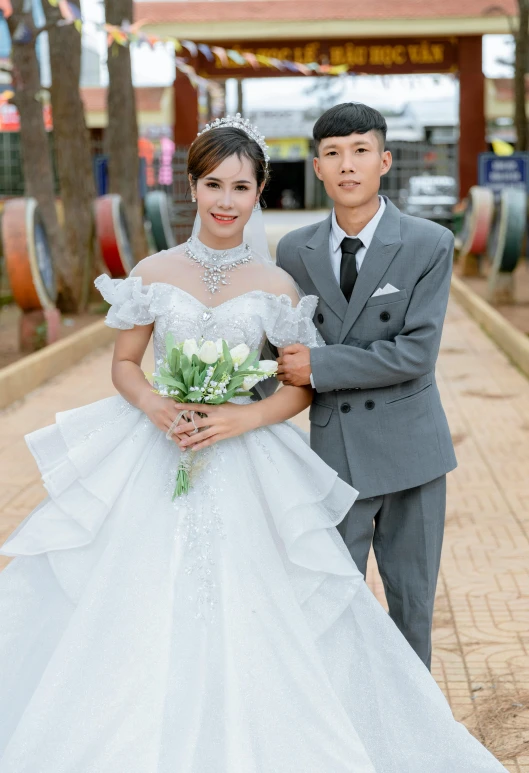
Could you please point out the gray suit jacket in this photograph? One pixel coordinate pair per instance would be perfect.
(377, 417)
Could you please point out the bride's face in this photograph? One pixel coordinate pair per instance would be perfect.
(225, 199)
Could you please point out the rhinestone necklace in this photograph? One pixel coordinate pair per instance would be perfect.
(216, 262)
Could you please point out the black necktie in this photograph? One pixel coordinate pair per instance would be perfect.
(348, 271)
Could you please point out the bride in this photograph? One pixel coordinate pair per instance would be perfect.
(228, 631)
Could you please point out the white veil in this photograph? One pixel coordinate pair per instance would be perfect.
(254, 235)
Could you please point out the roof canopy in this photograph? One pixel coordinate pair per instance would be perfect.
(239, 19)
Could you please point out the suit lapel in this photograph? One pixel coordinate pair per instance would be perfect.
(317, 261)
(383, 248)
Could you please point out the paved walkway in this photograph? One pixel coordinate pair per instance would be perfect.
(517, 313)
(481, 658)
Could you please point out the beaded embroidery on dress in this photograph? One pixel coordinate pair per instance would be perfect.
(228, 632)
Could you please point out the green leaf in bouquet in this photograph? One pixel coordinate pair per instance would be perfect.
(186, 370)
(221, 370)
(169, 343)
(170, 381)
(194, 397)
(231, 393)
(250, 361)
(226, 354)
(236, 381)
(214, 375)
(195, 360)
(196, 377)
(188, 375)
(218, 400)
(173, 360)
(165, 379)
(248, 373)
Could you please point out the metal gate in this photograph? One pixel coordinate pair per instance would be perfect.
(183, 211)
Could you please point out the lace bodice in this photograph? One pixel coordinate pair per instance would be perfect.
(249, 318)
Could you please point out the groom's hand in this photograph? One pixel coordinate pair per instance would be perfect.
(294, 365)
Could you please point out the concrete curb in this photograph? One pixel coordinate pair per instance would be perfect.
(508, 338)
(22, 377)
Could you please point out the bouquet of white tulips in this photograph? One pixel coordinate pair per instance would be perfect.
(207, 372)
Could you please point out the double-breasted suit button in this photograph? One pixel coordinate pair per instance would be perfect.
(345, 408)
(320, 318)
(385, 316)
(370, 404)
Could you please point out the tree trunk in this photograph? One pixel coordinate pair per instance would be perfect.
(520, 68)
(36, 157)
(74, 157)
(122, 131)
(240, 97)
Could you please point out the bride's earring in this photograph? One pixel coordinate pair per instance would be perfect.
(193, 198)
(257, 206)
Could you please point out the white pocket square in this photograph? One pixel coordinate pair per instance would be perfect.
(385, 291)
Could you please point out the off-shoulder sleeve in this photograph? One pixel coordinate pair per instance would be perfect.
(286, 324)
(130, 301)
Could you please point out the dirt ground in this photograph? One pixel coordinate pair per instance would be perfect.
(9, 331)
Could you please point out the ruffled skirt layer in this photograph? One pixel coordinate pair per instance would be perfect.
(227, 632)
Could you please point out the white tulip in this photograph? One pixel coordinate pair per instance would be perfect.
(249, 382)
(208, 352)
(239, 353)
(190, 347)
(218, 344)
(268, 366)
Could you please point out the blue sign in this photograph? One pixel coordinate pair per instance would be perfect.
(498, 172)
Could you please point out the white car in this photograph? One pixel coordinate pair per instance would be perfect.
(430, 196)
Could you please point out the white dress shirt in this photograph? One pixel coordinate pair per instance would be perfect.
(336, 237)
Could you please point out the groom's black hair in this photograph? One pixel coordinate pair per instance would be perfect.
(350, 118)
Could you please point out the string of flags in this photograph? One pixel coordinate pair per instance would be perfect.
(128, 33)
(131, 33)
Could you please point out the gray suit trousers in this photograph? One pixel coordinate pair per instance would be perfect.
(406, 529)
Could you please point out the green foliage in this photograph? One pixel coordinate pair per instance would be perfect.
(189, 380)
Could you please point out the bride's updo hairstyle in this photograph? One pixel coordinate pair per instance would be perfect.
(213, 147)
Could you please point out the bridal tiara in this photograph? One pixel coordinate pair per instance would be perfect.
(238, 122)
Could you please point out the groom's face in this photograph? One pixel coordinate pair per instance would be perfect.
(351, 167)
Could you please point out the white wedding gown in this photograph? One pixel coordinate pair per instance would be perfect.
(227, 632)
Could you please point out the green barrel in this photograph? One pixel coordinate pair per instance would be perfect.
(157, 211)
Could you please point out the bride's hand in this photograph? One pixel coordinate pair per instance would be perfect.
(220, 422)
(162, 411)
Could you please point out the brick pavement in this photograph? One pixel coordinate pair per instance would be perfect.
(481, 636)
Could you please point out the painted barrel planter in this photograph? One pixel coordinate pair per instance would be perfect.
(477, 222)
(508, 229)
(158, 213)
(113, 235)
(505, 243)
(27, 254)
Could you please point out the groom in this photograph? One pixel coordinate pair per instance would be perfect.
(383, 280)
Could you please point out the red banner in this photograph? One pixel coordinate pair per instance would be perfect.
(10, 118)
